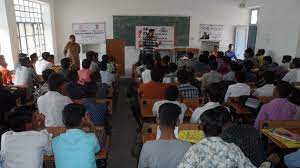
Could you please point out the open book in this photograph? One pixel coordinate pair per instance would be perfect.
(286, 134)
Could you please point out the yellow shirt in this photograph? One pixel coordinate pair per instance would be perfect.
(72, 50)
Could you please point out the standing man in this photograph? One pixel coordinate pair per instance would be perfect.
(72, 50)
(149, 43)
(230, 54)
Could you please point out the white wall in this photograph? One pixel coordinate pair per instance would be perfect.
(225, 12)
(278, 27)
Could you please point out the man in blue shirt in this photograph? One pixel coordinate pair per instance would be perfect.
(292, 160)
(75, 148)
(230, 53)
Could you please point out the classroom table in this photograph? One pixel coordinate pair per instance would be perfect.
(239, 109)
(281, 142)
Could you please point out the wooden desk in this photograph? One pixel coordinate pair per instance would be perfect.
(281, 142)
(239, 109)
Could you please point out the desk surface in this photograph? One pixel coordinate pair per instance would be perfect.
(239, 109)
(282, 142)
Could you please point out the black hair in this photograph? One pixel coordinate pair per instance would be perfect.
(269, 77)
(86, 64)
(103, 66)
(46, 73)
(173, 67)
(220, 54)
(248, 65)
(240, 77)
(297, 62)
(22, 55)
(182, 76)
(90, 89)
(96, 77)
(24, 61)
(150, 64)
(295, 97)
(65, 63)
(190, 55)
(45, 55)
(89, 55)
(72, 76)
(157, 58)
(205, 53)
(73, 115)
(249, 52)
(235, 66)
(213, 65)
(55, 81)
(166, 59)
(33, 56)
(156, 75)
(286, 58)
(168, 115)
(151, 30)
(261, 52)
(213, 120)
(213, 92)
(284, 89)
(72, 36)
(16, 123)
(268, 59)
(51, 56)
(172, 93)
(105, 58)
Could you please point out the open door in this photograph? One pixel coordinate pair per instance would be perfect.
(116, 49)
(241, 40)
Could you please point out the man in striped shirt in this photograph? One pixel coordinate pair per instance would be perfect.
(149, 43)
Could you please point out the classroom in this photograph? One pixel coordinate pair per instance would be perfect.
(149, 83)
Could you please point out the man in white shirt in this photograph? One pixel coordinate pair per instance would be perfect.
(238, 89)
(106, 76)
(213, 95)
(20, 148)
(171, 95)
(267, 89)
(51, 105)
(146, 74)
(294, 74)
(43, 64)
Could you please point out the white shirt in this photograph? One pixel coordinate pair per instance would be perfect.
(292, 76)
(157, 104)
(237, 90)
(52, 105)
(146, 76)
(24, 149)
(24, 76)
(42, 65)
(107, 77)
(198, 111)
(266, 90)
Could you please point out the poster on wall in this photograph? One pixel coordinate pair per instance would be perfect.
(89, 33)
(165, 35)
(211, 32)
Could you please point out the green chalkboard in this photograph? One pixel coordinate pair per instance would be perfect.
(124, 27)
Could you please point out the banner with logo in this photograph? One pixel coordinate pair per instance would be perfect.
(165, 35)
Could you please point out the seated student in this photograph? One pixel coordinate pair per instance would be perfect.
(260, 57)
(186, 89)
(249, 55)
(212, 151)
(250, 75)
(21, 148)
(84, 74)
(65, 64)
(51, 104)
(294, 98)
(141, 64)
(214, 97)
(171, 77)
(279, 108)
(292, 160)
(294, 74)
(43, 89)
(106, 76)
(102, 90)
(6, 75)
(238, 89)
(33, 58)
(43, 64)
(268, 64)
(73, 88)
(230, 76)
(286, 62)
(92, 57)
(201, 66)
(7, 101)
(153, 89)
(51, 59)
(75, 148)
(167, 152)
(225, 68)
(25, 75)
(267, 89)
(146, 74)
(244, 136)
(165, 64)
(95, 110)
(109, 62)
(210, 77)
(172, 95)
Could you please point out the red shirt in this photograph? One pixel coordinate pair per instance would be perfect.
(152, 90)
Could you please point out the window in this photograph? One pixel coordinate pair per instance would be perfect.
(30, 26)
(253, 16)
